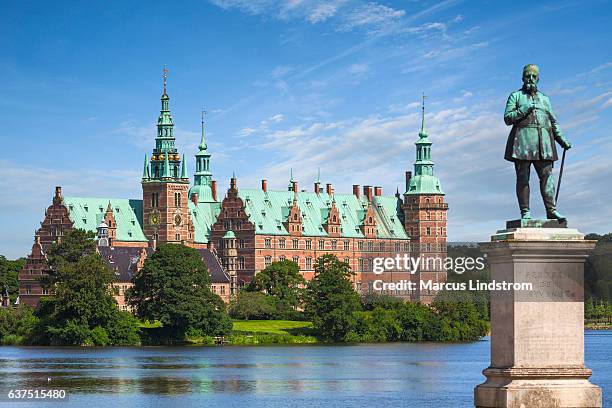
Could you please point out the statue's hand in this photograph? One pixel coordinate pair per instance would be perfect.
(526, 109)
(566, 144)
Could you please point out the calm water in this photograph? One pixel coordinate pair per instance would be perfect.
(389, 375)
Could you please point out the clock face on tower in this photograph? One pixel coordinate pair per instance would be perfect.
(177, 220)
(154, 220)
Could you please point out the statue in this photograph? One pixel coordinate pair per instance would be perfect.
(532, 141)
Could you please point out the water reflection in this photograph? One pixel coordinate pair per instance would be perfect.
(374, 375)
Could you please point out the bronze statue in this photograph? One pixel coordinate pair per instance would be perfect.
(532, 141)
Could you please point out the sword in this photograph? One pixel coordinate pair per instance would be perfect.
(560, 175)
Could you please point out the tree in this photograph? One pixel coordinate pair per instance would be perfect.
(331, 299)
(281, 280)
(82, 308)
(9, 270)
(174, 287)
(252, 306)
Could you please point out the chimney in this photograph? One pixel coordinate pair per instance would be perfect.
(408, 177)
(194, 198)
(378, 191)
(329, 189)
(356, 190)
(58, 195)
(233, 183)
(295, 186)
(264, 185)
(317, 187)
(367, 191)
(213, 188)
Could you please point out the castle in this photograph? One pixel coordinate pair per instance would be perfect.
(251, 228)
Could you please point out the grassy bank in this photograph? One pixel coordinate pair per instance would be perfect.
(248, 332)
(271, 332)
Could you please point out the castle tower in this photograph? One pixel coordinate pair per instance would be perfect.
(230, 255)
(202, 179)
(425, 214)
(165, 185)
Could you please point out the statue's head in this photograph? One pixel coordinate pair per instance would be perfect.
(531, 76)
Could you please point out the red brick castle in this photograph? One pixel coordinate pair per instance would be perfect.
(251, 228)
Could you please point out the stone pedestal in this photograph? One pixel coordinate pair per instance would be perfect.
(537, 335)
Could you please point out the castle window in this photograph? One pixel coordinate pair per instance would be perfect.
(321, 244)
(309, 244)
(397, 247)
(222, 290)
(407, 246)
(268, 243)
(281, 243)
(370, 246)
(154, 200)
(308, 263)
(267, 261)
(156, 236)
(361, 263)
(45, 291)
(296, 244)
(382, 247)
(177, 237)
(296, 259)
(282, 258)
(428, 231)
(241, 243)
(347, 261)
(346, 245)
(360, 245)
(28, 289)
(334, 245)
(241, 262)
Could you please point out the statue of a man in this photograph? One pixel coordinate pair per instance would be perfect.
(532, 141)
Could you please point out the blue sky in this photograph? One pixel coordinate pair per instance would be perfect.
(302, 85)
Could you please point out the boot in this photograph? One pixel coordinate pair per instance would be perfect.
(555, 215)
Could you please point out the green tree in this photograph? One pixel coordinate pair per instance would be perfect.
(252, 306)
(331, 299)
(9, 270)
(281, 280)
(16, 325)
(462, 320)
(82, 298)
(174, 288)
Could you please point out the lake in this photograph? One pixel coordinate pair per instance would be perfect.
(365, 375)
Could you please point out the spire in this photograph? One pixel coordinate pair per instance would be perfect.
(165, 75)
(424, 181)
(183, 168)
(202, 145)
(145, 170)
(291, 181)
(166, 173)
(423, 132)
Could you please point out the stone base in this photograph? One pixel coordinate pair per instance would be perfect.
(535, 223)
(537, 388)
(538, 234)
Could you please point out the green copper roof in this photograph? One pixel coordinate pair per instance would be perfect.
(425, 184)
(229, 235)
(87, 213)
(424, 181)
(268, 211)
(203, 216)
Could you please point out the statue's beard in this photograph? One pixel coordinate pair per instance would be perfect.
(530, 87)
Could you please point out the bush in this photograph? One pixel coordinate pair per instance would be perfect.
(252, 306)
(99, 337)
